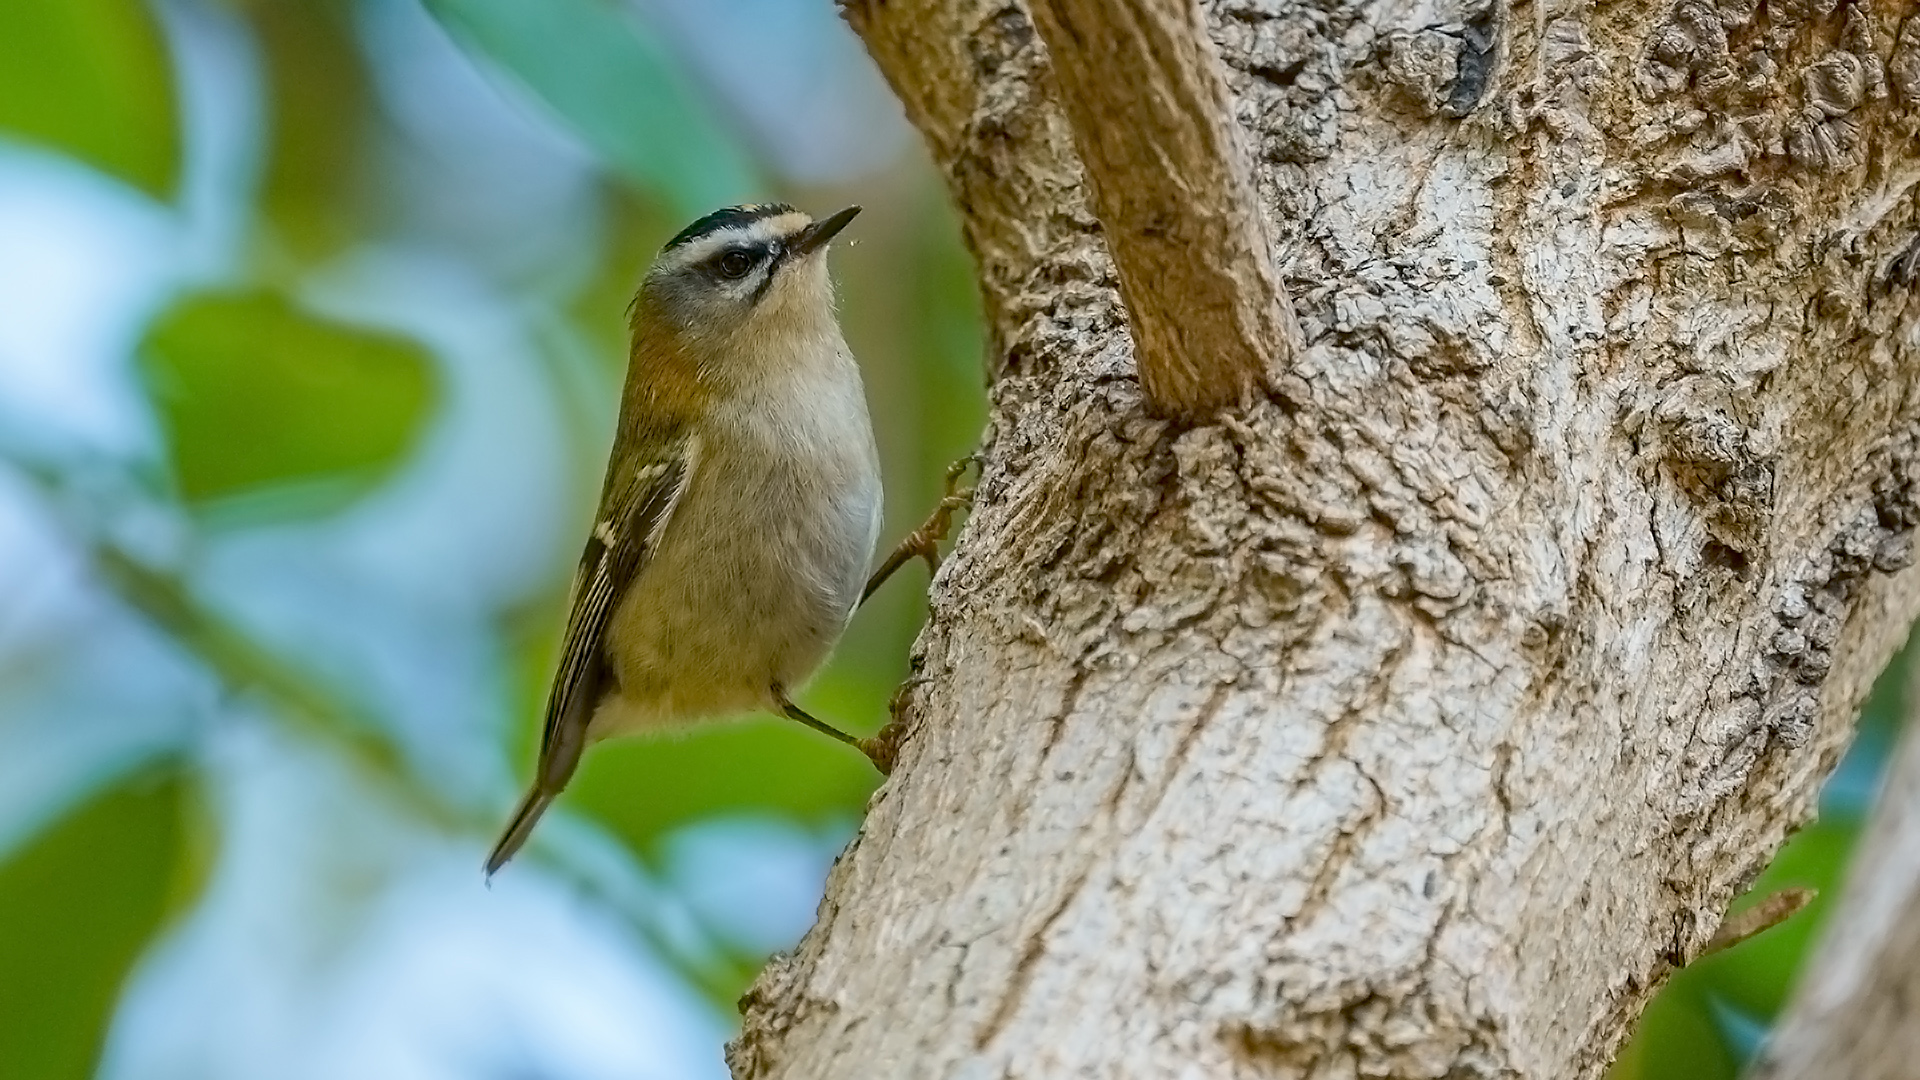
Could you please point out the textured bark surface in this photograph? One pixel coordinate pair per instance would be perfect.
(1168, 177)
(1856, 1013)
(1417, 719)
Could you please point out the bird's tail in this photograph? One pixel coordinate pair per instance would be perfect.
(560, 749)
(524, 819)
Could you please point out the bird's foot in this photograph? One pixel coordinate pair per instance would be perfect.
(924, 542)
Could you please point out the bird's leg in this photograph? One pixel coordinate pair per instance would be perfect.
(924, 542)
(795, 712)
(881, 755)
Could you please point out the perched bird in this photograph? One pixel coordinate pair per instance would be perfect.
(741, 502)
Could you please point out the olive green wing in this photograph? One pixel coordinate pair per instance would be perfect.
(639, 496)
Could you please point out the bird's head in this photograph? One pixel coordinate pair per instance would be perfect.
(738, 283)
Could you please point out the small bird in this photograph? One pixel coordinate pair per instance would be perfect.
(741, 503)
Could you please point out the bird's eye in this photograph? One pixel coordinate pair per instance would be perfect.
(735, 264)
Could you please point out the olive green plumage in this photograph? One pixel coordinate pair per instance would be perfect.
(741, 502)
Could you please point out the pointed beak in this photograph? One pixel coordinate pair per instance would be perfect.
(815, 236)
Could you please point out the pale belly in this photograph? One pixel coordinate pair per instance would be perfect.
(755, 577)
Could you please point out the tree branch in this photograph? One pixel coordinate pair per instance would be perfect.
(1021, 191)
(1422, 726)
(1167, 164)
(1857, 1010)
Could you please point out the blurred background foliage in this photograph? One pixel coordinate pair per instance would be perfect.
(310, 334)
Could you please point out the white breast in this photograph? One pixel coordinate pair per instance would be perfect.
(758, 570)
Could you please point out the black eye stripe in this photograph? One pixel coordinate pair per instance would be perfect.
(760, 290)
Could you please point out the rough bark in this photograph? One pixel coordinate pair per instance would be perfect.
(1856, 1012)
(1419, 717)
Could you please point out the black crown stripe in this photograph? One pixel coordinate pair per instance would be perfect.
(727, 217)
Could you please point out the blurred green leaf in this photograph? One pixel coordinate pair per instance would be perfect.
(642, 788)
(1741, 1034)
(255, 393)
(1678, 1039)
(630, 233)
(616, 85)
(953, 335)
(314, 190)
(77, 907)
(90, 77)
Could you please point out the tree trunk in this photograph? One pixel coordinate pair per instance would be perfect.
(1856, 1013)
(1416, 715)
